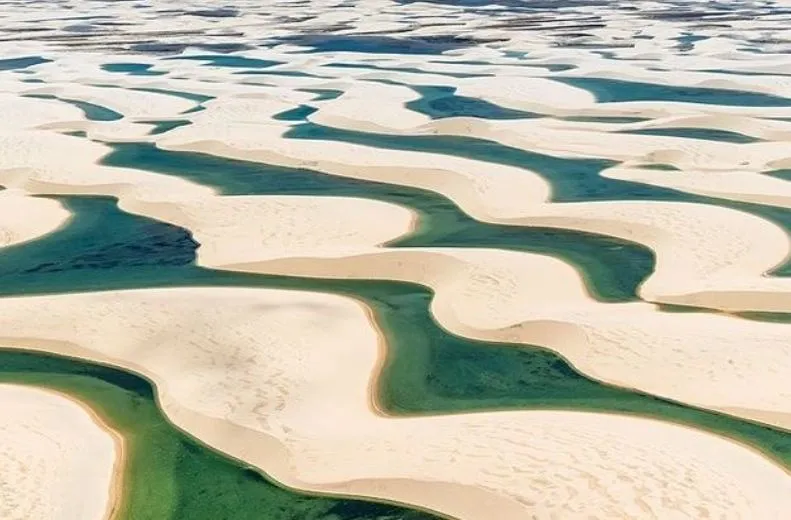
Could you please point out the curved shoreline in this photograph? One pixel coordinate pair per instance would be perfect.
(115, 502)
(395, 491)
(294, 398)
(46, 482)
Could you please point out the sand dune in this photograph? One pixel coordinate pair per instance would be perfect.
(299, 397)
(283, 379)
(130, 103)
(59, 462)
(494, 295)
(16, 224)
(701, 249)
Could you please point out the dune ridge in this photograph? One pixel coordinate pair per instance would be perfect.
(281, 235)
(210, 387)
(284, 380)
(59, 460)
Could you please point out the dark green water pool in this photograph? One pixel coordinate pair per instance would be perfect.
(169, 475)
(427, 370)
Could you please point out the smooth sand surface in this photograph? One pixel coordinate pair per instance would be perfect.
(230, 227)
(24, 218)
(493, 295)
(129, 103)
(706, 255)
(296, 400)
(59, 462)
(299, 397)
(698, 247)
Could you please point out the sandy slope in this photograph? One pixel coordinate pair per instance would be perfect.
(229, 226)
(705, 250)
(299, 397)
(699, 247)
(216, 368)
(24, 218)
(57, 459)
(494, 295)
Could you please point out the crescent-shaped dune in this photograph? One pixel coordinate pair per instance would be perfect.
(696, 245)
(681, 108)
(16, 224)
(299, 397)
(707, 255)
(59, 461)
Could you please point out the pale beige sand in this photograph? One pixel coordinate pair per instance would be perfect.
(701, 359)
(484, 190)
(253, 229)
(482, 294)
(706, 255)
(21, 112)
(696, 247)
(129, 103)
(299, 399)
(24, 218)
(59, 462)
(231, 228)
(529, 94)
(744, 185)
(383, 105)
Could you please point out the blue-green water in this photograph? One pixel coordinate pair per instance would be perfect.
(295, 114)
(613, 267)
(231, 61)
(22, 63)
(440, 102)
(708, 134)
(427, 369)
(92, 111)
(133, 69)
(611, 91)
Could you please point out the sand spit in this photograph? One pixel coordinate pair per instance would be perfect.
(494, 295)
(743, 186)
(229, 227)
(24, 218)
(58, 460)
(704, 251)
(134, 104)
(299, 396)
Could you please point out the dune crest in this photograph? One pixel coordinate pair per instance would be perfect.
(59, 461)
(300, 397)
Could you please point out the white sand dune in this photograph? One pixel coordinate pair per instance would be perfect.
(283, 379)
(493, 295)
(16, 224)
(59, 462)
(254, 229)
(299, 397)
(129, 103)
(704, 251)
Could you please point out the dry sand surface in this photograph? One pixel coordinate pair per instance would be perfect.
(24, 218)
(291, 373)
(300, 398)
(706, 255)
(697, 358)
(58, 460)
